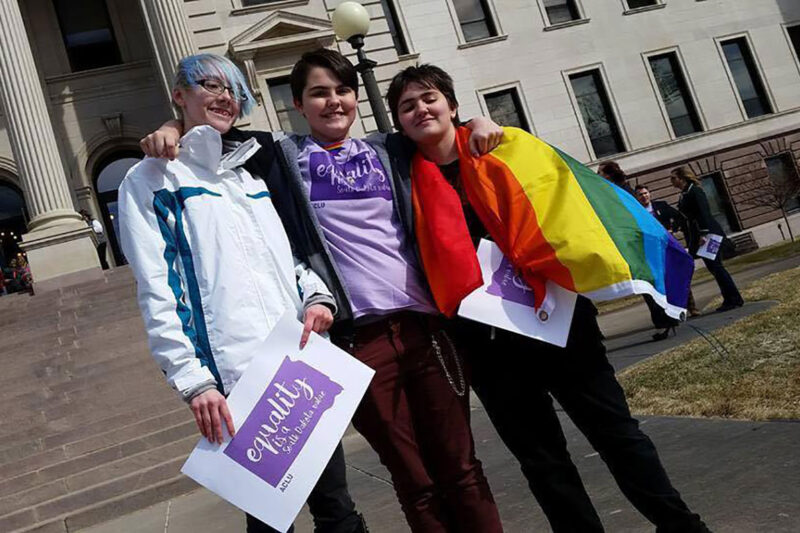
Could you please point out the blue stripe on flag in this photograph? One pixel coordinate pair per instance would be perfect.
(655, 236)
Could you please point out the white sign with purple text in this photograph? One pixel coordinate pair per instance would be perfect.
(506, 301)
(290, 409)
(711, 246)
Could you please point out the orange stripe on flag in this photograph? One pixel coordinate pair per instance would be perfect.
(502, 205)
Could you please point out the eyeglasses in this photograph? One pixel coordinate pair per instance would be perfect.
(216, 87)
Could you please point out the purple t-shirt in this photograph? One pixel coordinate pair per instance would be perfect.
(352, 197)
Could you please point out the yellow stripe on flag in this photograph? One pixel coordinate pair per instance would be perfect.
(567, 219)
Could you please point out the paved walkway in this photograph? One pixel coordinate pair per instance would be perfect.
(740, 476)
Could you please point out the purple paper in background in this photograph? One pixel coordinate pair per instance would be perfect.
(282, 420)
(359, 176)
(509, 286)
(713, 246)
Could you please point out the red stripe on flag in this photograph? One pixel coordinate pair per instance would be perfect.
(501, 203)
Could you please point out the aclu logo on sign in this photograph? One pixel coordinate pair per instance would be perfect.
(282, 420)
(509, 286)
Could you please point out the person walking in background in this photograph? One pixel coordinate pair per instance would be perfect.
(100, 234)
(672, 220)
(611, 171)
(693, 204)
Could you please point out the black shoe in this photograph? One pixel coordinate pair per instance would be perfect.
(728, 307)
(661, 335)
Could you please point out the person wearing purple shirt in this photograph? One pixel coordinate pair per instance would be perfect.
(351, 194)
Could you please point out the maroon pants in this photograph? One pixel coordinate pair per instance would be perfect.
(413, 418)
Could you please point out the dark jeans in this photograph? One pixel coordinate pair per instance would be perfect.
(330, 503)
(515, 377)
(730, 294)
(101, 254)
(419, 426)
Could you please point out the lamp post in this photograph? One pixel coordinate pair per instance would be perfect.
(351, 23)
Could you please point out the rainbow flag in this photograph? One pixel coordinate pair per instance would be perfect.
(555, 219)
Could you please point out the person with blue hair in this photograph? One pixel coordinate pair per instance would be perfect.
(214, 267)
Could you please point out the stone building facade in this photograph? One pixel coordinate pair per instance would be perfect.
(652, 84)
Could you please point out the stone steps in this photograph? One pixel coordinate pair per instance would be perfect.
(92, 430)
(19, 446)
(101, 502)
(97, 468)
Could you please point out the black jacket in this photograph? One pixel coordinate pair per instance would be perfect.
(268, 164)
(292, 204)
(670, 218)
(693, 204)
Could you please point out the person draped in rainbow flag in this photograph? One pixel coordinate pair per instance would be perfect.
(554, 219)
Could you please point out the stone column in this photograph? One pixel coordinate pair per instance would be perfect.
(169, 35)
(59, 245)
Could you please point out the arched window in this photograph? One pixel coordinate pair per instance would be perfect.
(108, 177)
(13, 220)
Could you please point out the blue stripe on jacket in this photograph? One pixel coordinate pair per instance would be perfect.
(193, 321)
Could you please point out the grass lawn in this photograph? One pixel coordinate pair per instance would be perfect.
(759, 380)
(770, 253)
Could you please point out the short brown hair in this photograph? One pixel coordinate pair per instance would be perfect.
(427, 75)
(332, 60)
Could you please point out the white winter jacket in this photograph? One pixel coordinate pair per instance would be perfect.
(213, 266)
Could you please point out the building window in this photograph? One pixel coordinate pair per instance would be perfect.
(13, 222)
(794, 37)
(598, 116)
(112, 171)
(719, 202)
(87, 32)
(247, 3)
(475, 19)
(289, 117)
(560, 11)
(675, 94)
(505, 108)
(636, 4)
(393, 20)
(746, 77)
(783, 174)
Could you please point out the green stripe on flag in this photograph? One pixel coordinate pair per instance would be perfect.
(617, 220)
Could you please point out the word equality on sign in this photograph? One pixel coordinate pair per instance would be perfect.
(290, 409)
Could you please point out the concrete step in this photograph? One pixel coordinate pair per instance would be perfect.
(66, 389)
(41, 459)
(56, 464)
(97, 468)
(92, 431)
(91, 436)
(146, 482)
(113, 508)
(64, 415)
(70, 361)
(20, 444)
(71, 377)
